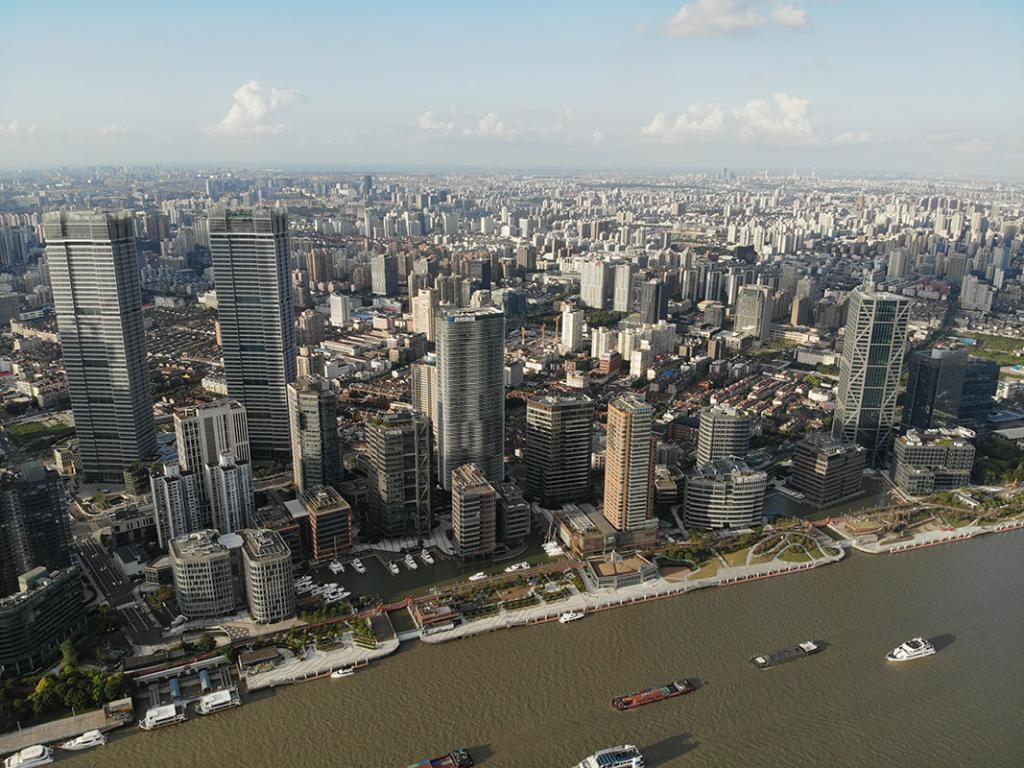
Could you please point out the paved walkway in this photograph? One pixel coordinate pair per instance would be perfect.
(932, 538)
(57, 730)
(317, 663)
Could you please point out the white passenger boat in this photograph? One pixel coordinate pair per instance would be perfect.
(410, 562)
(343, 672)
(87, 740)
(626, 756)
(917, 648)
(358, 566)
(30, 757)
(478, 576)
(336, 567)
(517, 567)
(393, 568)
(568, 616)
(158, 717)
(218, 700)
(426, 557)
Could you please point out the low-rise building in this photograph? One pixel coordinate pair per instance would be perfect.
(47, 609)
(933, 461)
(828, 471)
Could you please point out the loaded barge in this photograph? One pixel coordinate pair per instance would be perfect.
(651, 695)
(805, 648)
(458, 759)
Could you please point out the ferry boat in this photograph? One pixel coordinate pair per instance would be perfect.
(87, 740)
(651, 695)
(426, 557)
(518, 567)
(805, 648)
(158, 717)
(393, 568)
(343, 672)
(218, 700)
(626, 756)
(917, 648)
(357, 564)
(568, 616)
(478, 576)
(30, 757)
(410, 563)
(336, 567)
(457, 759)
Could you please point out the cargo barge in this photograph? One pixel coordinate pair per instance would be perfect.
(651, 695)
(458, 759)
(805, 648)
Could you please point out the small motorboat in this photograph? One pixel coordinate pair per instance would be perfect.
(87, 740)
(343, 672)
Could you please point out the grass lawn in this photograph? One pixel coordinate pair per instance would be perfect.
(739, 557)
(1001, 349)
(31, 431)
(795, 554)
(708, 570)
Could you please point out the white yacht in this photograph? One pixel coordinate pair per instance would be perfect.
(87, 740)
(626, 756)
(357, 564)
(478, 576)
(410, 562)
(336, 567)
(30, 757)
(393, 568)
(158, 717)
(916, 648)
(517, 567)
(426, 557)
(343, 672)
(218, 700)
(568, 616)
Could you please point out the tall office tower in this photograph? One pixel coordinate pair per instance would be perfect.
(526, 258)
(207, 571)
(229, 485)
(807, 288)
(725, 493)
(424, 307)
(474, 512)
(981, 379)
(384, 274)
(426, 392)
(934, 388)
(341, 309)
(622, 300)
(311, 326)
(97, 292)
(572, 330)
(899, 264)
(653, 301)
(870, 370)
(558, 448)
(789, 275)
(933, 460)
(313, 411)
(629, 465)
(724, 431)
(398, 476)
(754, 309)
(826, 471)
(33, 523)
(47, 609)
(267, 570)
(330, 522)
(594, 284)
(802, 312)
(257, 324)
(177, 503)
(471, 398)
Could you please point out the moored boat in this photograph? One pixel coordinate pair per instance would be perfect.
(805, 648)
(393, 568)
(478, 576)
(626, 756)
(218, 700)
(343, 672)
(568, 616)
(517, 567)
(410, 562)
(652, 695)
(426, 557)
(459, 758)
(87, 740)
(167, 714)
(29, 757)
(916, 648)
(358, 566)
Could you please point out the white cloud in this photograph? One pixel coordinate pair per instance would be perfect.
(429, 122)
(975, 146)
(597, 138)
(853, 137)
(790, 16)
(251, 107)
(491, 125)
(111, 130)
(711, 18)
(15, 129)
(715, 18)
(785, 120)
(699, 121)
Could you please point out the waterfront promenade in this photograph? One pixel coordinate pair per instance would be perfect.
(931, 537)
(57, 731)
(316, 663)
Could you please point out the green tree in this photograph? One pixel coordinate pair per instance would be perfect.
(69, 657)
(117, 686)
(47, 695)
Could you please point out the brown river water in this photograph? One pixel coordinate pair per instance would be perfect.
(539, 696)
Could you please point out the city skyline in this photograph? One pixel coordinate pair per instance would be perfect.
(672, 85)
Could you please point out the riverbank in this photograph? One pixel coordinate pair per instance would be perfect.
(871, 542)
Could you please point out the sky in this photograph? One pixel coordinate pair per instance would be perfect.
(924, 87)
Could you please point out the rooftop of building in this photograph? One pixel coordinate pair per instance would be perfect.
(322, 498)
(723, 468)
(200, 544)
(958, 436)
(263, 544)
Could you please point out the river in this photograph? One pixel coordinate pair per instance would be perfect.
(539, 696)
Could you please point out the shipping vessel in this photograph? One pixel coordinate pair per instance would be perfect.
(805, 648)
(458, 759)
(651, 695)
(917, 648)
(626, 756)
